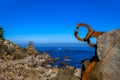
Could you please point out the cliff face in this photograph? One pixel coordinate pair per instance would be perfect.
(108, 53)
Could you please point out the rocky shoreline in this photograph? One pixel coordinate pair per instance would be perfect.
(18, 63)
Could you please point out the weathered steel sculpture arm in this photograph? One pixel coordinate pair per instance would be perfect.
(91, 33)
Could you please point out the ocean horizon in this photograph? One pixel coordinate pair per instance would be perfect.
(75, 52)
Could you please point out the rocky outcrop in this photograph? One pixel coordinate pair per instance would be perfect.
(10, 51)
(18, 63)
(108, 53)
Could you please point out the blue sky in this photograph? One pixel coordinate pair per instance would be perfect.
(54, 21)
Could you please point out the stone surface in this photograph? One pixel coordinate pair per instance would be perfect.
(66, 74)
(18, 63)
(107, 42)
(10, 51)
(77, 73)
(108, 51)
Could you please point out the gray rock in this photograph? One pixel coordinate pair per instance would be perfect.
(106, 43)
(108, 51)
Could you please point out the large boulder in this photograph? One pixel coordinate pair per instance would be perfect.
(108, 52)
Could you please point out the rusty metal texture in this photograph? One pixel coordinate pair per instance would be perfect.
(91, 33)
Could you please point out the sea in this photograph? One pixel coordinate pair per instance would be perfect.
(70, 53)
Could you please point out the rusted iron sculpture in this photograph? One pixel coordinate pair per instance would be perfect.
(91, 33)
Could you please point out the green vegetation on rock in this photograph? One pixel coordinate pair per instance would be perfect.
(1, 33)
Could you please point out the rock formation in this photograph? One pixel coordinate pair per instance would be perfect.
(18, 63)
(108, 53)
(10, 51)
